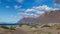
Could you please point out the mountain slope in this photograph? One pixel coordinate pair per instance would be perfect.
(47, 17)
(50, 17)
(29, 20)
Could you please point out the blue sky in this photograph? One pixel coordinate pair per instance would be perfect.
(12, 11)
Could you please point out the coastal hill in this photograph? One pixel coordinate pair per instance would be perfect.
(47, 17)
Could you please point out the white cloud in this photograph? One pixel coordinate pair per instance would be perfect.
(27, 14)
(19, 1)
(21, 9)
(7, 7)
(17, 7)
(23, 14)
(57, 2)
(40, 9)
(12, 16)
(43, 8)
(39, 1)
(36, 11)
(56, 9)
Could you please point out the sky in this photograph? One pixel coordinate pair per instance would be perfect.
(11, 11)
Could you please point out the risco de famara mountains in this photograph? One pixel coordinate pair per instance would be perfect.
(46, 17)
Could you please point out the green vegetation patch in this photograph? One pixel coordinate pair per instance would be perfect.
(45, 26)
(49, 33)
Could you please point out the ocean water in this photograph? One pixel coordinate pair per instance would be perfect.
(9, 25)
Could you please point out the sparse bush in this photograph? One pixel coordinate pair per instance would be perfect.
(20, 25)
(23, 24)
(57, 26)
(45, 26)
(4, 27)
(49, 33)
(34, 26)
(58, 32)
(12, 28)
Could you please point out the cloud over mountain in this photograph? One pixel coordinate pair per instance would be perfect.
(47, 17)
(57, 2)
(36, 11)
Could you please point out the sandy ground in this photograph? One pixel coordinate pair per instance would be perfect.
(28, 30)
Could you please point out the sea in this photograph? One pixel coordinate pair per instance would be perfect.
(10, 25)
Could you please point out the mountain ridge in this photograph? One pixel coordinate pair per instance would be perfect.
(47, 17)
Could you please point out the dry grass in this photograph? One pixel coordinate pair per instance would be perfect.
(31, 29)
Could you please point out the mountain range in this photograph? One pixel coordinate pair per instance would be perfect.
(47, 17)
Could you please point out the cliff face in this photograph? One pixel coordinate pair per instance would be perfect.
(27, 20)
(47, 17)
(50, 17)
